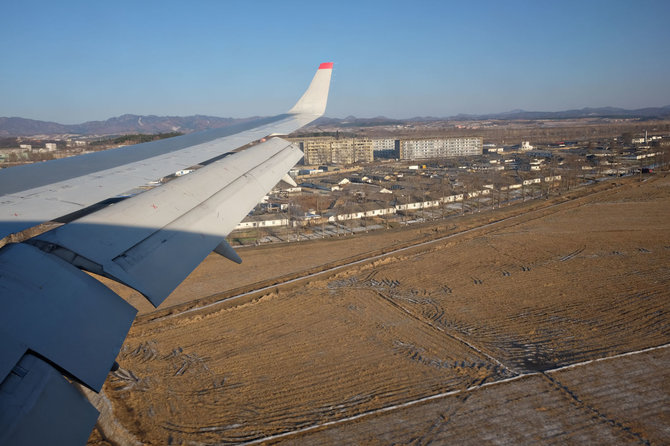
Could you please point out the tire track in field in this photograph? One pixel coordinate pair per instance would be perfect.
(418, 401)
(593, 411)
(457, 338)
(524, 216)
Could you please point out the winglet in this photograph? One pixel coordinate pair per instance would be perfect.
(313, 102)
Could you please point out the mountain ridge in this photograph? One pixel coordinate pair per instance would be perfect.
(151, 124)
(118, 125)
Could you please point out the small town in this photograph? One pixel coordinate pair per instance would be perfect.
(347, 184)
(390, 182)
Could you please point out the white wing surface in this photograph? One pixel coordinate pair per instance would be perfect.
(152, 241)
(35, 193)
(57, 320)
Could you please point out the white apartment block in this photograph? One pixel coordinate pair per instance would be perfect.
(414, 149)
(383, 144)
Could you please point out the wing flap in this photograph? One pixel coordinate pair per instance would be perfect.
(38, 406)
(61, 313)
(11, 352)
(151, 242)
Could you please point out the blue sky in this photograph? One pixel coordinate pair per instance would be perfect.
(72, 62)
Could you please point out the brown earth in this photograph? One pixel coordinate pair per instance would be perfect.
(583, 405)
(566, 280)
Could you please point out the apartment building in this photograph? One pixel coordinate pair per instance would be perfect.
(415, 149)
(331, 150)
(385, 148)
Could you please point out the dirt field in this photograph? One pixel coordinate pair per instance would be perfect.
(583, 405)
(478, 324)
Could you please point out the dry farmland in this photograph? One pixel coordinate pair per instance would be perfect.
(488, 334)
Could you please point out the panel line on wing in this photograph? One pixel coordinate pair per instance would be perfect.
(202, 207)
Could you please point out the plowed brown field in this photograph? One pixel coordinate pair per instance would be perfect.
(478, 324)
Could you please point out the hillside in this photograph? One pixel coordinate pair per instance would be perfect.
(115, 126)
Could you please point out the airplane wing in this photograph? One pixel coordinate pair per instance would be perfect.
(61, 326)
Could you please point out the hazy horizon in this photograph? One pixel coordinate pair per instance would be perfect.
(403, 118)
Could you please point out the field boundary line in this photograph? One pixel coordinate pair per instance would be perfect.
(606, 358)
(411, 403)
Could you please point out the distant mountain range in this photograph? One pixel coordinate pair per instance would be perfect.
(128, 124)
(588, 112)
(125, 124)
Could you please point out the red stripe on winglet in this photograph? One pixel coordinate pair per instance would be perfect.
(326, 66)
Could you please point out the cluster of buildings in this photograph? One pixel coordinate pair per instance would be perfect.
(388, 208)
(48, 147)
(26, 152)
(335, 150)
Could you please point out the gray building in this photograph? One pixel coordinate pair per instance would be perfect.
(415, 149)
(385, 148)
